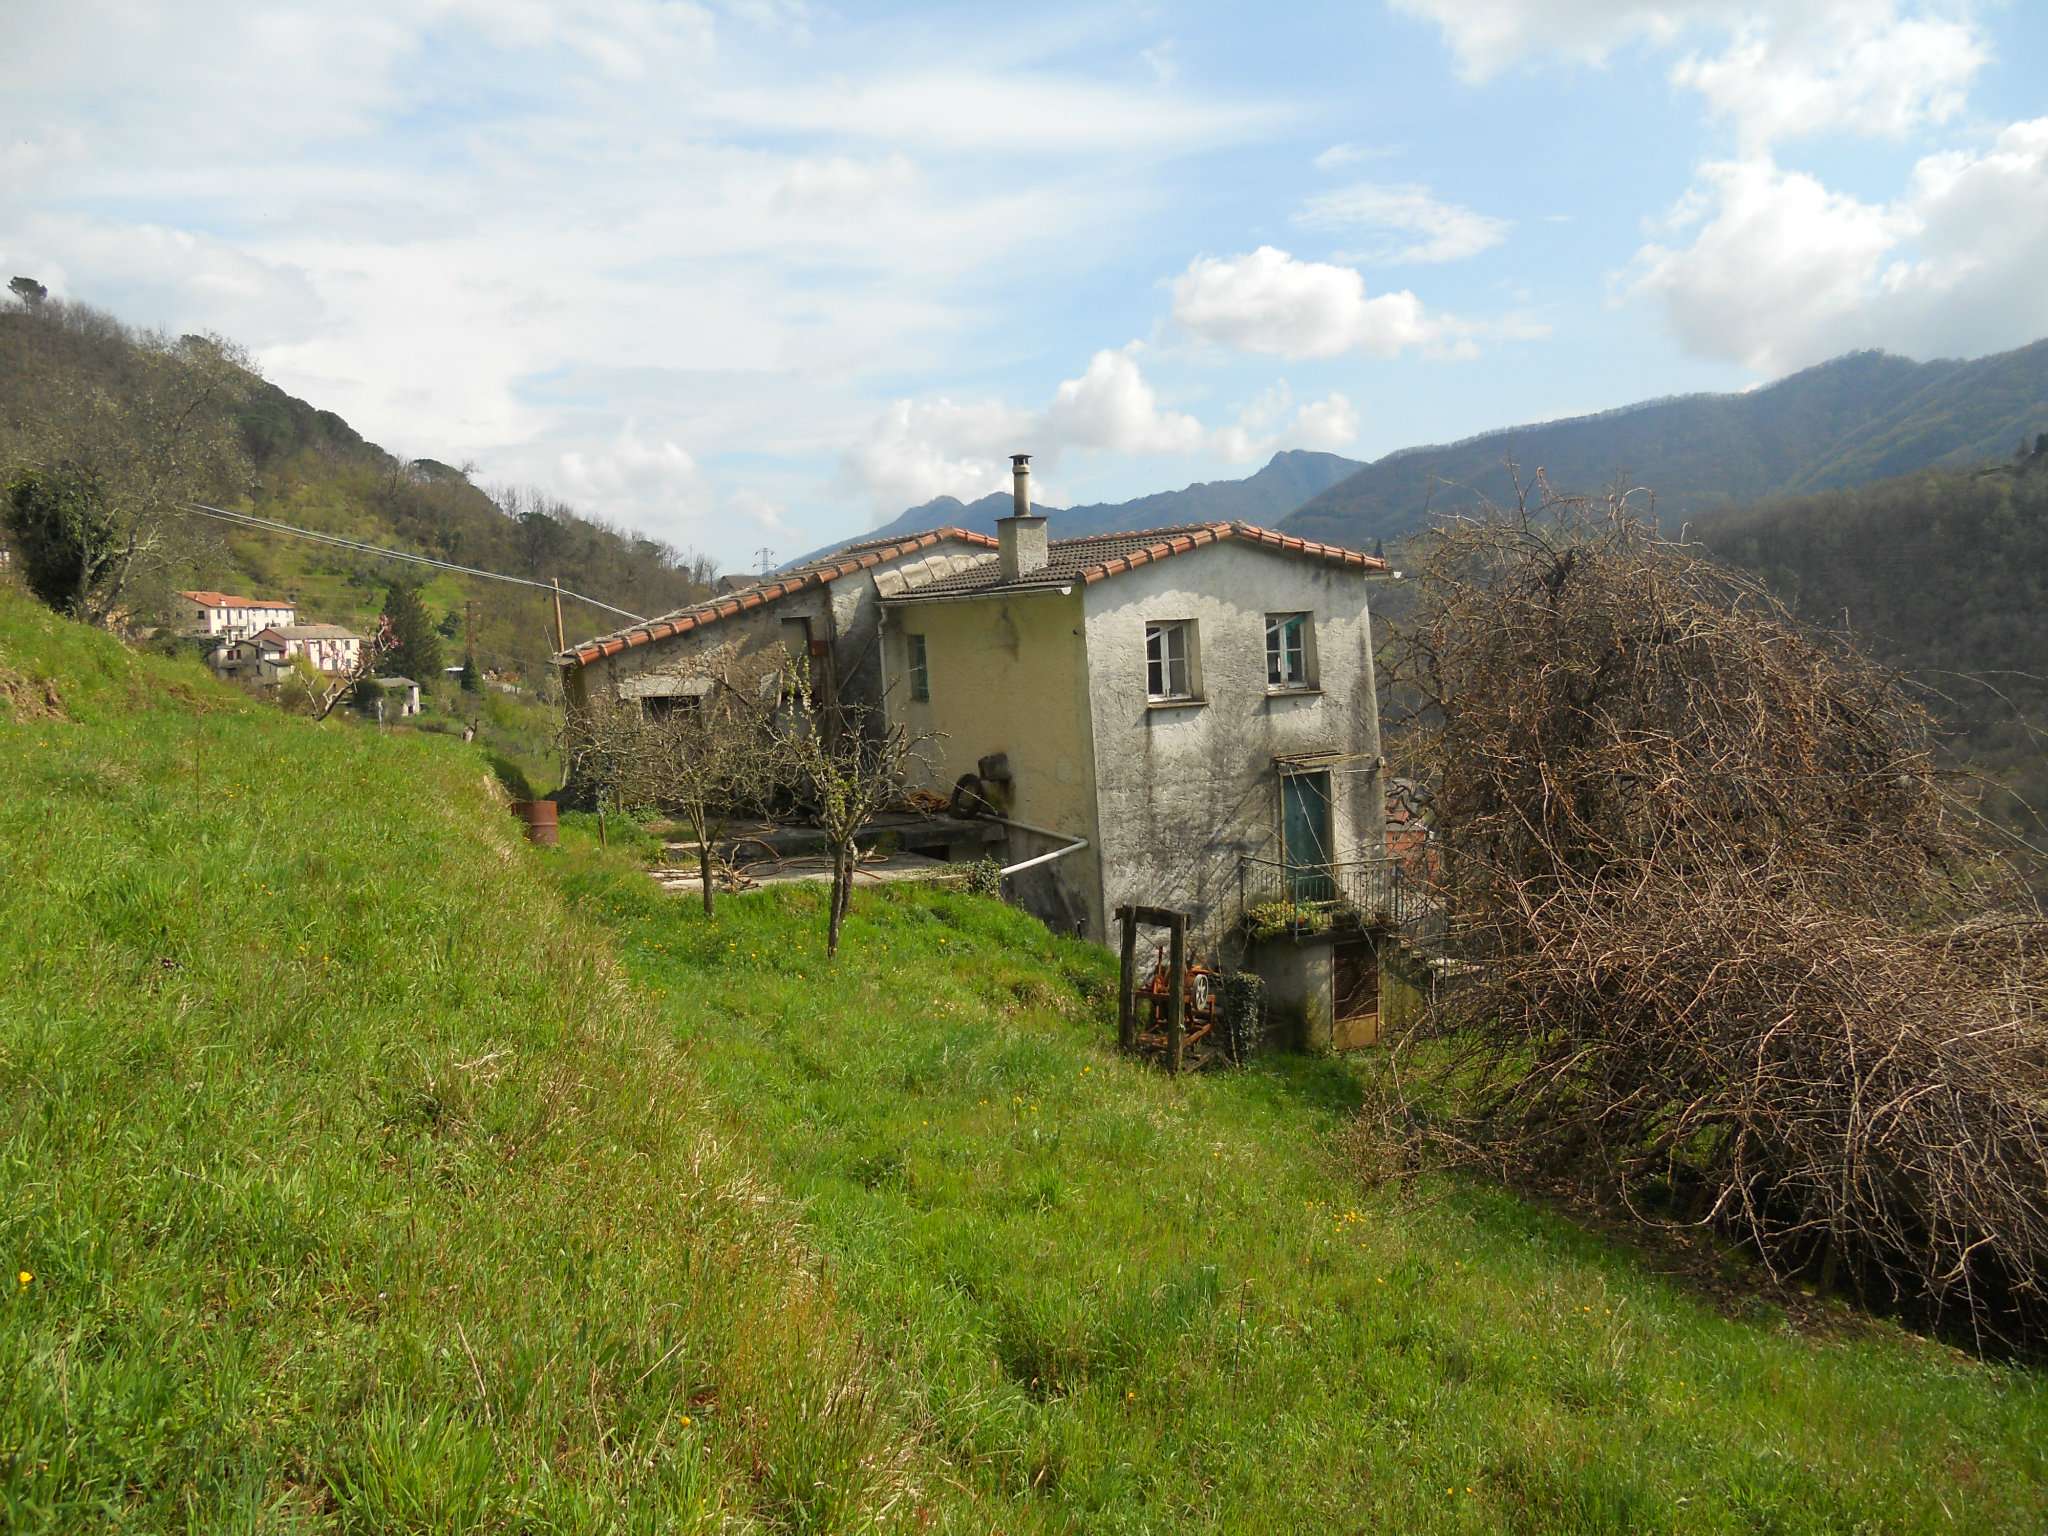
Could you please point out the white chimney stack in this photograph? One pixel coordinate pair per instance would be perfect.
(1020, 537)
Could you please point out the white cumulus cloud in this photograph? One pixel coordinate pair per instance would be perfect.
(1862, 70)
(1112, 407)
(920, 449)
(1271, 421)
(1781, 271)
(1269, 302)
(1775, 68)
(648, 480)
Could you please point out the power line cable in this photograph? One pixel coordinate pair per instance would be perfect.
(271, 525)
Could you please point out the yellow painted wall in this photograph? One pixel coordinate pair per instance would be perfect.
(1008, 676)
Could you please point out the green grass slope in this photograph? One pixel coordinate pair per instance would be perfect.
(344, 1182)
(1128, 1303)
(372, 1171)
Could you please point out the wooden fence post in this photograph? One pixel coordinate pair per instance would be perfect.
(1177, 1000)
(1126, 1004)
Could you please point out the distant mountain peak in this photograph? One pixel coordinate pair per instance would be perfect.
(1855, 418)
(1287, 480)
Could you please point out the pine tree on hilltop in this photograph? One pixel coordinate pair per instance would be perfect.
(417, 654)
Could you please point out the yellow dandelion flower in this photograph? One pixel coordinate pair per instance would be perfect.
(686, 1421)
(24, 1277)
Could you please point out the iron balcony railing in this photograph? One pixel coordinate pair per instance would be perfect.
(1316, 898)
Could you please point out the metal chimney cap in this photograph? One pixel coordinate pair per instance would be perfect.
(1020, 459)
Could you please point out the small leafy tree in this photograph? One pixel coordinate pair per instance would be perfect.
(472, 679)
(67, 535)
(29, 291)
(302, 689)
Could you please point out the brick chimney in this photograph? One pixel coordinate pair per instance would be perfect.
(1020, 537)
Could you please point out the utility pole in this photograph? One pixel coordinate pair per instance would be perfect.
(561, 638)
(468, 627)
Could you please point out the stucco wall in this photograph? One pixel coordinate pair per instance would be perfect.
(1299, 976)
(1006, 676)
(1184, 789)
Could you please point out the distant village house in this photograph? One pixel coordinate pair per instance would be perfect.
(227, 616)
(268, 654)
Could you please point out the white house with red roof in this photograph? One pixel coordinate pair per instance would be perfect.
(229, 615)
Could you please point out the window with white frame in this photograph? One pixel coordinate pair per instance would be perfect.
(920, 670)
(1287, 650)
(1169, 659)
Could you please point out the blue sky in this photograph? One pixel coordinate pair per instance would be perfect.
(763, 273)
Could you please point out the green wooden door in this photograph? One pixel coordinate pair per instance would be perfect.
(1305, 835)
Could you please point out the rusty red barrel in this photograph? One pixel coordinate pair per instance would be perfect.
(539, 816)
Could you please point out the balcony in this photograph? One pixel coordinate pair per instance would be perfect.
(1352, 895)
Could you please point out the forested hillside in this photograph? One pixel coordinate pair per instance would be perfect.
(156, 420)
(1943, 574)
(1847, 422)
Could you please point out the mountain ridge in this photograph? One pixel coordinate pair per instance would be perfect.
(1288, 479)
(1857, 418)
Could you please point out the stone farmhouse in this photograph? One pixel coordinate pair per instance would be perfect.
(1196, 703)
(1182, 717)
(227, 616)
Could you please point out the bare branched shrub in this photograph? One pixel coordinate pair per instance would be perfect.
(846, 766)
(1720, 936)
(702, 756)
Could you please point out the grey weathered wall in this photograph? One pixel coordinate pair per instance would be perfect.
(846, 612)
(666, 665)
(1184, 789)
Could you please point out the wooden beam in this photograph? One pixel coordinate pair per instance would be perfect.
(1176, 1003)
(1155, 917)
(1126, 1004)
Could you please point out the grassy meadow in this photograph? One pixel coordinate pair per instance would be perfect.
(1127, 1303)
(345, 1182)
(371, 1171)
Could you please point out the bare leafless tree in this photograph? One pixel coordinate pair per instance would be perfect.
(848, 765)
(1722, 938)
(718, 754)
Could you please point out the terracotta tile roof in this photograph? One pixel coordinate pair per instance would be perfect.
(307, 632)
(230, 600)
(841, 562)
(1086, 561)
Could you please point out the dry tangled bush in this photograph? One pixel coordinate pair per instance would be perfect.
(1730, 944)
